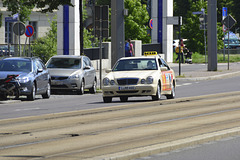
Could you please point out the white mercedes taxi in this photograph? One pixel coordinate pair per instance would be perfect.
(139, 76)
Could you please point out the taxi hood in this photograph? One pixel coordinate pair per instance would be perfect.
(132, 74)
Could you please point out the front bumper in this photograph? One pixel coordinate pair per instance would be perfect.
(68, 84)
(129, 90)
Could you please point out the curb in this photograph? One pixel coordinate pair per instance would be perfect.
(170, 146)
(220, 76)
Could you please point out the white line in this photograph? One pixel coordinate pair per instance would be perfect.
(26, 109)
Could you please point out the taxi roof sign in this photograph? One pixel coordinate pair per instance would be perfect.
(150, 53)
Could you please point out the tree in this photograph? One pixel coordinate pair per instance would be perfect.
(190, 28)
(136, 23)
(46, 47)
(24, 7)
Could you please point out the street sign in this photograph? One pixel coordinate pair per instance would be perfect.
(198, 12)
(29, 31)
(151, 23)
(203, 18)
(101, 20)
(10, 19)
(203, 26)
(229, 21)
(174, 20)
(19, 26)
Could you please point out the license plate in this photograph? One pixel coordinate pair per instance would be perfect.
(58, 83)
(127, 88)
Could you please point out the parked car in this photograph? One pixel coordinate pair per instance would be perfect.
(139, 76)
(33, 75)
(72, 73)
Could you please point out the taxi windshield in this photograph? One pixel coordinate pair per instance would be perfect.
(135, 64)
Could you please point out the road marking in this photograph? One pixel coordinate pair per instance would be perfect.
(26, 109)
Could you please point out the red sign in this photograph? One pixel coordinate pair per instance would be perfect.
(29, 31)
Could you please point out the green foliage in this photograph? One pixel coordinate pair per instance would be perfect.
(24, 7)
(136, 21)
(46, 47)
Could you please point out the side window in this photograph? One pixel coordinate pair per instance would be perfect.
(39, 65)
(89, 62)
(85, 62)
(35, 67)
(164, 64)
(42, 64)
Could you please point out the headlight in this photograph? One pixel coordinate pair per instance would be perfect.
(23, 79)
(112, 82)
(149, 80)
(143, 81)
(75, 76)
(106, 81)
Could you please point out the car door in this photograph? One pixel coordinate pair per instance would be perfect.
(167, 75)
(89, 72)
(41, 76)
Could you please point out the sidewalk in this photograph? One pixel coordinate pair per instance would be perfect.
(196, 72)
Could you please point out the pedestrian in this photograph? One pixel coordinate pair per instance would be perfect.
(180, 54)
(129, 52)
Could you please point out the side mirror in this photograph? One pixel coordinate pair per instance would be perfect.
(87, 67)
(108, 70)
(164, 68)
(39, 70)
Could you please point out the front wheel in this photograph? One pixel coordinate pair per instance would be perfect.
(47, 94)
(173, 94)
(94, 87)
(158, 93)
(107, 99)
(32, 96)
(123, 99)
(81, 89)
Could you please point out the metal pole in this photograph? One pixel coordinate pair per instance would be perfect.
(100, 51)
(228, 42)
(204, 24)
(179, 46)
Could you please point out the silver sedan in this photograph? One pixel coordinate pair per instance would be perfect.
(74, 73)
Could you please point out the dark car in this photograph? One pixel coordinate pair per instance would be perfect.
(33, 75)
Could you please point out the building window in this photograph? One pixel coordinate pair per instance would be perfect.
(34, 36)
(8, 32)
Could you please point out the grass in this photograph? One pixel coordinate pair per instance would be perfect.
(199, 58)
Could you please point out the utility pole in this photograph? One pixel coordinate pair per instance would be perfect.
(81, 26)
(212, 35)
(117, 30)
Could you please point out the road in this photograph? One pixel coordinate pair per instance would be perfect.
(73, 102)
(119, 131)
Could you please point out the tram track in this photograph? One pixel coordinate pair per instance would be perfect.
(93, 133)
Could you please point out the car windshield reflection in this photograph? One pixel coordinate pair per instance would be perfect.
(67, 63)
(135, 64)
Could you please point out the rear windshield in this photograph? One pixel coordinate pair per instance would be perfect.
(68, 63)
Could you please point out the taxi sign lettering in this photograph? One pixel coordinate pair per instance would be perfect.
(150, 53)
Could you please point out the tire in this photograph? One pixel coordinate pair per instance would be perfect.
(158, 93)
(32, 96)
(107, 99)
(124, 99)
(48, 92)
(173, 93)
(94, 87)
(81, 90)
